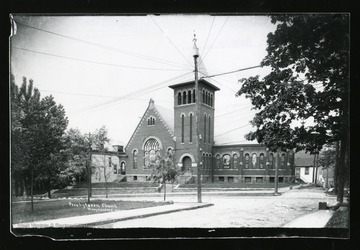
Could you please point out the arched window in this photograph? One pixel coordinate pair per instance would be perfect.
(151, 121)
(194, 96)
(261, 160)
(204, 128)
(135, 153)
(203, 94)
(226, 160)
(184, 97)
(170, 151)
(182, 128)
(151, 149)
(208, 98)
(211, 100)
(191, 122)
(189, 96)
(235, 160)
(218, 160)
(247, 160)
(254, 160)
(209, 125)
(179, 98)
(282, 162)
(271, 160)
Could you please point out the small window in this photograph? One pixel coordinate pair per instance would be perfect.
(235, 160)
(281, 179)
(218, 160)
(191, 125)
(179, 98)
(221, 179)
(259, 179)
(189, 96)
(247, 159)
(271, 160)
(194, 96)
(184, 97)
(262, 160)
(135, 153)
(211, 100)
(282, 162)
(135, 178)
(151, 121)
(307, 170)
(272, 179)
(248, 179)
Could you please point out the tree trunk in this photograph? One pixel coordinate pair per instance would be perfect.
(164, 185)
(276, 172)
(49, 188)
(24, 188)
(341, 172)
(336, 170)
(32, 190)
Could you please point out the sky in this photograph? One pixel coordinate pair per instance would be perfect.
(105, 69)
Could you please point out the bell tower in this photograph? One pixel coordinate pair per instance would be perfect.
(185, 123)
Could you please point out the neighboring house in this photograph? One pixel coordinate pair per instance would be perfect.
(106, 166)
(304, 170)
(162, 130)
(304, 166)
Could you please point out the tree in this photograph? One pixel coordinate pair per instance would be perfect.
(163, 169)
(309, 79)
(327, 159)
(38, 126)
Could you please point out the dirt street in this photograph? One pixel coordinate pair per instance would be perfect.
(235, 211)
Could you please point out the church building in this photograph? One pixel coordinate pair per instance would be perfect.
(161, 131)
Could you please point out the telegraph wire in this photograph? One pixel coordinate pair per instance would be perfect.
(207, 38)
(150, 58)
(253, 67)
(248, 124)
(216, 38)
(169, 40)
(232, 111)
(94, 62)
(134, 94)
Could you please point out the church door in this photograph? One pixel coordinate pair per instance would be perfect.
(186, 164)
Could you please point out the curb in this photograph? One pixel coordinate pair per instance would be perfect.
(144, 215)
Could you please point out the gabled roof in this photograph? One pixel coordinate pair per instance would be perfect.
(303, 159)
(166, 115)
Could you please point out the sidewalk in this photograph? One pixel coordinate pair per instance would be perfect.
(102, 218)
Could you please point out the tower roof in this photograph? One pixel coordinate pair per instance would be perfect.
(210, 85)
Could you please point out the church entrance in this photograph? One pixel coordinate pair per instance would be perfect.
(186, 164)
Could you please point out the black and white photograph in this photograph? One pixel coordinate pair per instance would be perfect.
(180, 122)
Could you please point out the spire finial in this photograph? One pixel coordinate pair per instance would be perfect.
(195, 48)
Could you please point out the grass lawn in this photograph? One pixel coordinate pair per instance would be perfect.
(55, 209)
(340, 219)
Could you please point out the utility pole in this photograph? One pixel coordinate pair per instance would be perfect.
(89, 175)
(197, 141)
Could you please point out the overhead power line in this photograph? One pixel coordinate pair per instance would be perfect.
(94, 62)
(136, 93)
(157, 25)
(253, 67)
(145, 57)
(207, 38)
(215, 38)
(248, 124)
